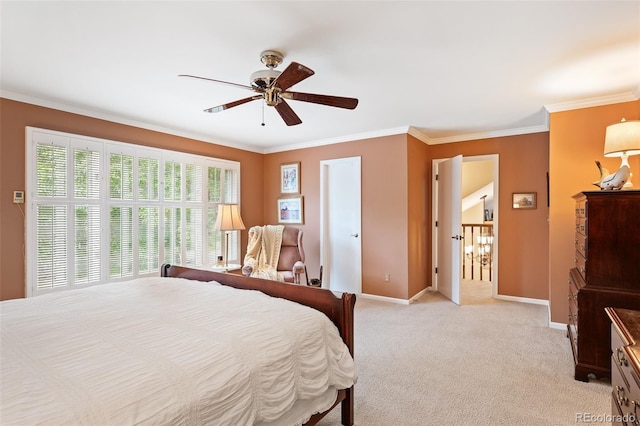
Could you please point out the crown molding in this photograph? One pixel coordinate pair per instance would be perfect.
(594, 102)
(117, 119)
(348, 138)
(410, 130)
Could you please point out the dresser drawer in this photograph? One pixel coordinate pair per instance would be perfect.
(581, 207)
(625, 382)
(581, 225)
(581, 264)
(581, 244)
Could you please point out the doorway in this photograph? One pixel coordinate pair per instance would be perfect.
(340, 224)
(479, 193)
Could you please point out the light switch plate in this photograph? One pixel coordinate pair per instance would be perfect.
(18, 197)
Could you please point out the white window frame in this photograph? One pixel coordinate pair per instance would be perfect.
(205, 260)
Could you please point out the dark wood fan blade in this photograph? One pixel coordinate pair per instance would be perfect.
(217, 81)
(287, 114)
(334, 101)
(293, 74)
(232, 104)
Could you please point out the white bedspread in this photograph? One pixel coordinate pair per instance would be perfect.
(166, 351)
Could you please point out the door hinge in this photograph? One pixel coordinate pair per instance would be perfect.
(436, 223)
(437, 177)
(436, 269)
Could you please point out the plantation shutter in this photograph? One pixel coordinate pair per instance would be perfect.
(121, 215)
(51, 234)
(231, 195)
(51, 222)
(121, 242)
(102, 211)
(148, 215)
(148, 239)
(214, 238)
(86, 218)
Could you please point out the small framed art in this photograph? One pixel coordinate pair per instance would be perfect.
(524, 200)
(290, 210)
(290, 178)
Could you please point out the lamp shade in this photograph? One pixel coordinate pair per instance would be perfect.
(622, 139)
(228, 218)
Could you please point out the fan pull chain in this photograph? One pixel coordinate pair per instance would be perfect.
(263, 114)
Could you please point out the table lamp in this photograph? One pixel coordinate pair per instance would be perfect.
(228, 219)
(623, 140)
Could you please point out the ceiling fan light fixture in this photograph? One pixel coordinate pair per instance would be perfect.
(262, 79)
(272, 96)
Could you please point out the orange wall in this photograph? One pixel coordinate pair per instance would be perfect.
(384, 207)
(418, 210)
(576, 141)
(523, 234)
(15, 116)
(535, 247)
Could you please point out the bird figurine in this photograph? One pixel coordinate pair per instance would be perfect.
(612, 181)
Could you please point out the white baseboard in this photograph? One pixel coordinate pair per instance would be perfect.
(384, 299)
(523, 300)
(419, 294)
(554, 325)
(395, 300)
(557, 325)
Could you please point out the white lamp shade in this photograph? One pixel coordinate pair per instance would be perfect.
(622, 139)
(228, 218)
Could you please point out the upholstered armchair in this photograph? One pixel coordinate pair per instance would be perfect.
(291, 258)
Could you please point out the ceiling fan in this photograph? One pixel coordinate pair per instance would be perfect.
(272, 86)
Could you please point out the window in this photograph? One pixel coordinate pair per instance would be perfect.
(106, 211)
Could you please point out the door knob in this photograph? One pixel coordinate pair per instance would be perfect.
(355, 235)
(456, 237)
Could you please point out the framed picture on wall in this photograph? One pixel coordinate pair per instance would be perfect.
(290, 210)
(524, 200)
(290, 178)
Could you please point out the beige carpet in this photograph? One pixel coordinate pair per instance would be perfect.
(486, 362)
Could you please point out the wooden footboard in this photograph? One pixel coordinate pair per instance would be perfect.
(338, 309)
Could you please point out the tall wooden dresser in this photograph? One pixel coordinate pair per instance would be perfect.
(606, 274)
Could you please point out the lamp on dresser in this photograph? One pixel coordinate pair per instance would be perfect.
(623, 140)
(227, 220)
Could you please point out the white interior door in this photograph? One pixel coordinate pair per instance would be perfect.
(340, 224)
(448, 217)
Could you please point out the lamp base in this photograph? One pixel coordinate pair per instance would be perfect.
(624, 161)
(226, 249)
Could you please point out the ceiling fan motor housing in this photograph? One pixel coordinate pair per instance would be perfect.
(263, 78)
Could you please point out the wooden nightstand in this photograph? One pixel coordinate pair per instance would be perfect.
(233, 268)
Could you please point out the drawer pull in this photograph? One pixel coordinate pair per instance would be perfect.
(620, 358)
(622, 400)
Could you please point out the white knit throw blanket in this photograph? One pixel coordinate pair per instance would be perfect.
(263, 251)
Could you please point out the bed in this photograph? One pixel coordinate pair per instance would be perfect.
(189, 347)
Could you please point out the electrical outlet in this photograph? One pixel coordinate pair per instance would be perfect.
(387, 277)
(18, 197)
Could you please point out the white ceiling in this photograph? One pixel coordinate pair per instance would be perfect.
(441, 70)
